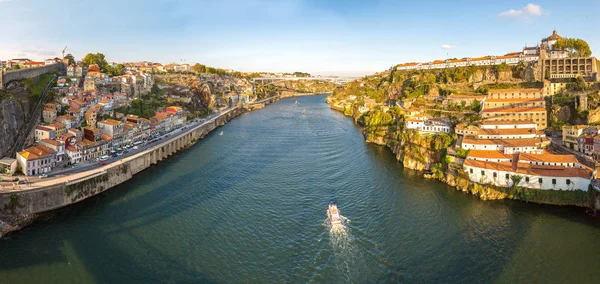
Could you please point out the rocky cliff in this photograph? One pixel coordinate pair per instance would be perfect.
(14, 113)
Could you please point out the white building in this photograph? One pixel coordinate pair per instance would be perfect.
(428, 125)
(535, 177)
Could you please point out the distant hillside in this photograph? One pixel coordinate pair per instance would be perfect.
(401, 85)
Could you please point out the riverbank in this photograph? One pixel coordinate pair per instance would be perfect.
(20, 208)
(427, 153)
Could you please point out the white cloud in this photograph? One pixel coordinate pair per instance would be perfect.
(529, 10)
(448, 46)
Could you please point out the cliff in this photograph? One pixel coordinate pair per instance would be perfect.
(15, 107)
(425, 152)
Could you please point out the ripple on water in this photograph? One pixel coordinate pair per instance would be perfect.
(249, 206)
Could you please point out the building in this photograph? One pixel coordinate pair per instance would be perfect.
(111, 127)
(91, 116)
(537, 115)
(42, 133)
(57, 146)
(428, 125)
(571, 134)
(32, 64)
(59, 128)
(36, 160)
(514, 103)
(68, 120)
(89, 85)
(49, 115)
(518, 93)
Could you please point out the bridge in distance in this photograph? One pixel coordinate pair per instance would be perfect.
(265, 81)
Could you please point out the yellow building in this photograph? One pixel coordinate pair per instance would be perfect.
(537, 115)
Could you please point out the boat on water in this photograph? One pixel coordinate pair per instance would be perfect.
(334, 214)
(221, 134)
(297, 102)
(304, 111)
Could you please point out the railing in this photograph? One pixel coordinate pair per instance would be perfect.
(35, 115)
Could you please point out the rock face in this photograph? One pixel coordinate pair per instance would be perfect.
(13, 115)
(594, 116)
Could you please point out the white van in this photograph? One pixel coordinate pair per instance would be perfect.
(104, 158)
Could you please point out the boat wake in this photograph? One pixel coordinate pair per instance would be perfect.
(345, 250)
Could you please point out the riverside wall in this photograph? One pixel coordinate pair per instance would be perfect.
(20, 205)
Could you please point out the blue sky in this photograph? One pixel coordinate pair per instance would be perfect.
(334, 37)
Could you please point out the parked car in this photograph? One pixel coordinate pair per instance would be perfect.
(115, 155)
(102, 163)
(1, 179)
(135, 147)
(43, 176)
(22, 182)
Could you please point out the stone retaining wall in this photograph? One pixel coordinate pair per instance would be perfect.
(49, 198)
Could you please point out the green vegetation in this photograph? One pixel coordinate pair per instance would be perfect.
(576, 47)
(201, 68)
(147, 105)
(301, 74)
(97, 58)
(71, 59)
(462, 153)
(13, 204)
(36, 86)
(115, 71)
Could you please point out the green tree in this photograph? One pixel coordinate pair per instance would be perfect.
(576, 47)
(71, 59)
(95, 58)
(17, 67)
(199, 68)
(115, 71)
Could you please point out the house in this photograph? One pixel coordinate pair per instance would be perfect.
(36, 160)
(68, 120)
(89, 85)
(112, 128)
(428, 125)
(32, 64)
(57, 146)
(91, 116)
(536, 171)
(42, 133)
(571, 134)
(59, 128)
(49, 115)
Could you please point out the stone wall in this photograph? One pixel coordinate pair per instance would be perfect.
(21, 74)
(28, 202)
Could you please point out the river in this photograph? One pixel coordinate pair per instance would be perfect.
(250, 206)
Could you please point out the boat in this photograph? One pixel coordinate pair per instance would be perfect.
(297, 102)
(221, 134)
(304, 111)
(334, 214)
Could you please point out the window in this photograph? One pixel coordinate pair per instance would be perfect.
(471, 170)
(507, 176)
(568, 181)
(553, 181)
(495, 174)
(526, 179)
(482, 173)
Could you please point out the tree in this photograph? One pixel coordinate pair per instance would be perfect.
(71, 59)
(199, 68)
(97, 58)
(576, 47)
(17, 67)
(115, 71)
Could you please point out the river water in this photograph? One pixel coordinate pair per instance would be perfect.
(250, 206)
